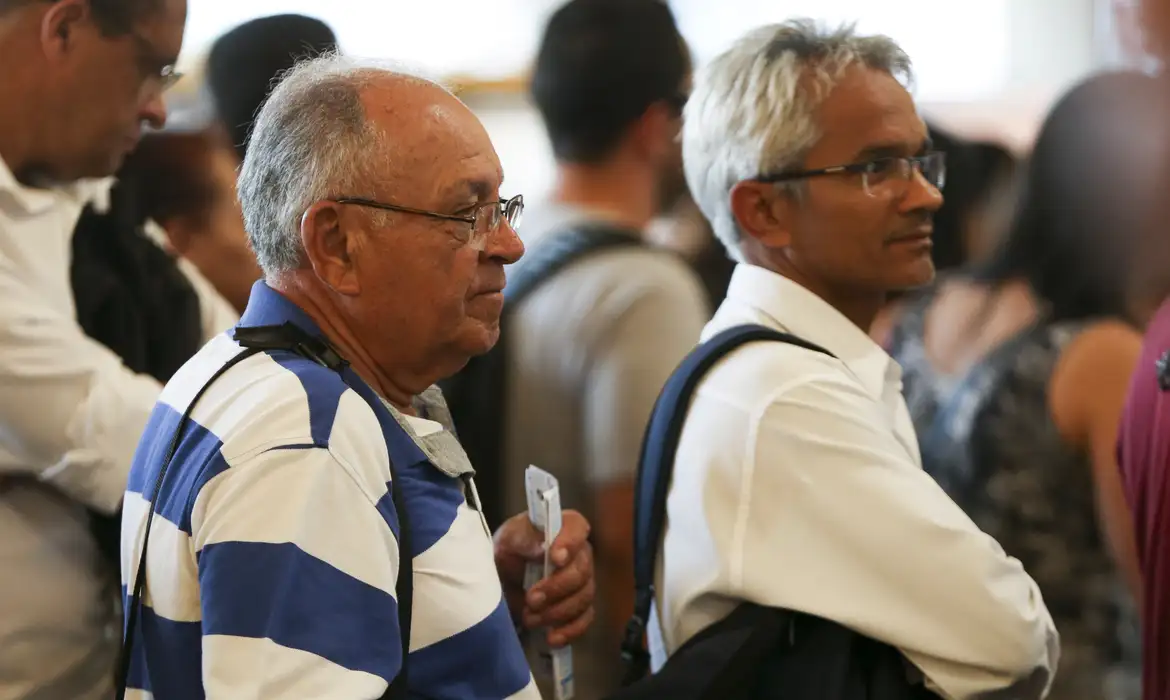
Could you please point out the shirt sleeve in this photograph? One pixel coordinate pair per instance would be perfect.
(838, 521)
(644, 344)
(297, 567)
(71, 413)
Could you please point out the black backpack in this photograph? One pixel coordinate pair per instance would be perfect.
(131, 297)
(756, 653)
(477, 394)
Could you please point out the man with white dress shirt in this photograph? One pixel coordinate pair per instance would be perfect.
(797, 482)
(79, 79)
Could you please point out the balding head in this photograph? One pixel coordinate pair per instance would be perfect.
(332, 128)
(376, 194)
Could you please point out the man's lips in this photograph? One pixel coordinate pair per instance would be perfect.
(923, 233)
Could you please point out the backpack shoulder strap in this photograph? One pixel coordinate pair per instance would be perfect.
(560, 249)
(477, 394)
(657, 463)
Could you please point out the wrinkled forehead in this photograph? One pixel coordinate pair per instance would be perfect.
(870, 114)
(440, 149)
(162, 27)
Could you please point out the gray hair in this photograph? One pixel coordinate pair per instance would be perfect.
(311, 141)
(752, 108)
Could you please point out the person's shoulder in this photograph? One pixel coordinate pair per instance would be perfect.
(606, 287)
(1096, 346)
(644, 263)
(761, 373)
(625, 276)
(1092, 373)
(267, 401)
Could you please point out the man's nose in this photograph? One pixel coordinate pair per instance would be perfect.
(922, 194)
(154, 111)
(504, 243)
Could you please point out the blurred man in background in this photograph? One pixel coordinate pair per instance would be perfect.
(79, 80)
(590, 347)
(244, 64)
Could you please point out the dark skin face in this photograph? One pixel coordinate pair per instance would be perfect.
(849, 245)
(99, 89)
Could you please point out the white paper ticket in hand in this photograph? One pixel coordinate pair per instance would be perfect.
(544, 510)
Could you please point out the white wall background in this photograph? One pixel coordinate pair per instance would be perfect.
(989, 67)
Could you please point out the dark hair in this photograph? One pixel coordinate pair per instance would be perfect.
(244, 64)
(169, 176)
(113, 17)
(600, 65)
(973, 170)
(1084, 196)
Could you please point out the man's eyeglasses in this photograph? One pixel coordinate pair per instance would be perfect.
(155, 71)
(878, 172)
(483, 220)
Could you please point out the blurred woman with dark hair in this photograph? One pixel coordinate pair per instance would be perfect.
(186, 183)
(1016, 372)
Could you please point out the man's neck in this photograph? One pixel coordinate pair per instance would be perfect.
(625, 194)
(861, 308)
(18, 131)
(14, 136)
(399, 389)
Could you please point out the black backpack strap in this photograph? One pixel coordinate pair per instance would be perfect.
(657, 463)
(476, 396)
(135, 603)
(255, 340)
(558, 250)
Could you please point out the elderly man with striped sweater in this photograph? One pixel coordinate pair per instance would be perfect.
(278, 517)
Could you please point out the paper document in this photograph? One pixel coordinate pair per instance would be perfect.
(544, 510)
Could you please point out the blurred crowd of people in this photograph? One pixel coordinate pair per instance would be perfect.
(968, 465)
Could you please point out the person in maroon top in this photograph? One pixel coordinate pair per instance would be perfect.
(1144, 458)
(1144, 434)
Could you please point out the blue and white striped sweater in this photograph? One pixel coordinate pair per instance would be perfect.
(274, 553)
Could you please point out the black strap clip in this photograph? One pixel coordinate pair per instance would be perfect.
(634, 653)
(289, 336)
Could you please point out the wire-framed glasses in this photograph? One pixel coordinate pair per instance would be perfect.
(879, 173)
(482, 220)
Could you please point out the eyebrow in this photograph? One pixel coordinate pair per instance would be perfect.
(477, 187)
(891, 150)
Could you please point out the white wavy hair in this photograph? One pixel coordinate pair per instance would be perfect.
(752, 109)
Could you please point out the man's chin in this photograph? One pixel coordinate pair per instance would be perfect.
(921, 275)
(95, 170)
(484, 337)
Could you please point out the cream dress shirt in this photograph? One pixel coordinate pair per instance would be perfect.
(71, 415)
(798, 484)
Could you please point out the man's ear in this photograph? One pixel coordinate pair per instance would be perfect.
(180, 233)
(656, 132)
(331, 248)
(763, 213)
(62, 22)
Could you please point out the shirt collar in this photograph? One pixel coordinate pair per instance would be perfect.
(268, 307)
(33, 201)
(799, 311)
